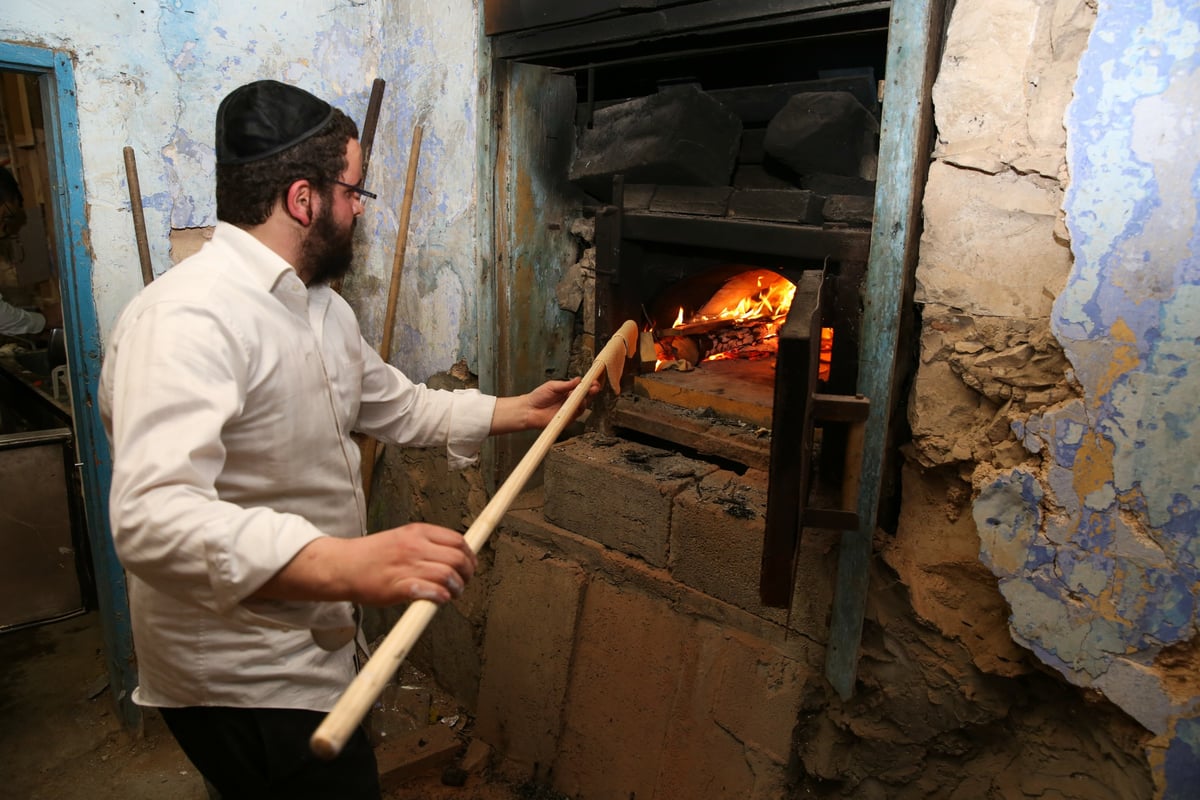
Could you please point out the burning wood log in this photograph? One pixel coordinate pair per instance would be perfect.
(733, 339)
(741, 320)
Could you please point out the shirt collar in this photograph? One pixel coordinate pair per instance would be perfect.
(265, 267)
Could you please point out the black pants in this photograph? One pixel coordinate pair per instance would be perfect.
(262, 754)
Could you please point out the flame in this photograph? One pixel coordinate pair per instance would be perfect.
(770, 302)
(765, 304)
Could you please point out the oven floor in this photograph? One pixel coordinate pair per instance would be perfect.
(733, 388)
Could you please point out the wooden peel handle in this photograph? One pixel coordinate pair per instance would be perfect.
(339, 724)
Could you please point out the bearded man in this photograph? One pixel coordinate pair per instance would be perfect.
(230, 389)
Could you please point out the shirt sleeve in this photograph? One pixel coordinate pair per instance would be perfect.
(16, 321)
(398, 411)
(172, 378)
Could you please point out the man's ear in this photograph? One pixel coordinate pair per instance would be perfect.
(299, 202)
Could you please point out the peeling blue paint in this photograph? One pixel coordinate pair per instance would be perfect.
(1182, 763)
(1123, 462)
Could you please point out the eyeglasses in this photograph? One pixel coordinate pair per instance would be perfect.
(361, 192)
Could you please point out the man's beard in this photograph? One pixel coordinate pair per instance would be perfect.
(328, 251)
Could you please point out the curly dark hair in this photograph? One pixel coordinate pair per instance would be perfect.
(247, 193)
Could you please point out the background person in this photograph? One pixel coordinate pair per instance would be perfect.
(16, 321)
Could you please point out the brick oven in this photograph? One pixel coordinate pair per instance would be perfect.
(712, 145)
(657, 620)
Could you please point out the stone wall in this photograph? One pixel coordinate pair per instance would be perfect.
(1046, 508)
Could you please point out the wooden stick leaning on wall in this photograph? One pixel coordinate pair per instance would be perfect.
(371, 122)
(339, 724)
(370, 446)
(366, 139)
(139, 216)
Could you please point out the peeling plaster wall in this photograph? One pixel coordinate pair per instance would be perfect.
(150, 75)
(430, 57)
(1060, 286)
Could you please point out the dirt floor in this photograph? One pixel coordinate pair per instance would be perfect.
(60, 738)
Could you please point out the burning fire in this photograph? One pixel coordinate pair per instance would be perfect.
(742, 320)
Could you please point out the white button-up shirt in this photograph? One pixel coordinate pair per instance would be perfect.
(228, 392)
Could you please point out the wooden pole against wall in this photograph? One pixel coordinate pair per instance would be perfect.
(139, 217)
(914, 47)
(389, 318)
(366, 138)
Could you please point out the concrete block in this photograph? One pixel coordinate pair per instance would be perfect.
(717, 534)
(631, 655)
(746, 695)
(717, 531)
(663, 705)
(419, 752)
(527, 651)
(617, 492)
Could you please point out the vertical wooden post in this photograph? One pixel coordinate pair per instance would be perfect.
(914, 48)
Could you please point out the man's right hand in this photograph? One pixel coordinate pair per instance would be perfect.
(417, 561)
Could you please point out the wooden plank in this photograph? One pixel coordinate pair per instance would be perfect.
(914, 45)
(637, 196)
(505, 16)
(705, 435)
(852, 209)
(409, 755)
(531, 245)
(777, 205)
(676, 21)
(706, 200)
(791, 442)
(732, 388)
(751, 236)
(840, 408)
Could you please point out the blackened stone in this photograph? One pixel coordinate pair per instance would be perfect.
(454, 776)
(837, 184)
(679, 136)
(777, 205)
(821, 132)
(637, 196)
(707, 200)
(850, 209)
(751, 150)
(754, 176)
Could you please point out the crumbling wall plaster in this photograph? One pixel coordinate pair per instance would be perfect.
(430, 56)
(149, 75)
(1057, 383)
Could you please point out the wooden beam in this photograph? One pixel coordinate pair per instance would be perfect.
(673, 20)
(750, 236)
(705, 435)
(791, 442)
(914, 47)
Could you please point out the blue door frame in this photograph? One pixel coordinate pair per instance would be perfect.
(56, 84)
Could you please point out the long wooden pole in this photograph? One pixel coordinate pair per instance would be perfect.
(331, 735)
(366, 138)
(389, 316)
(371, 122)
(139, 216)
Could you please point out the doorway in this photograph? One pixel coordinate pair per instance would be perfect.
(41, 144)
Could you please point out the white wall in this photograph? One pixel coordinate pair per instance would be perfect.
(150, 75)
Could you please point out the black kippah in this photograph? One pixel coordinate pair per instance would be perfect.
(263, 118)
